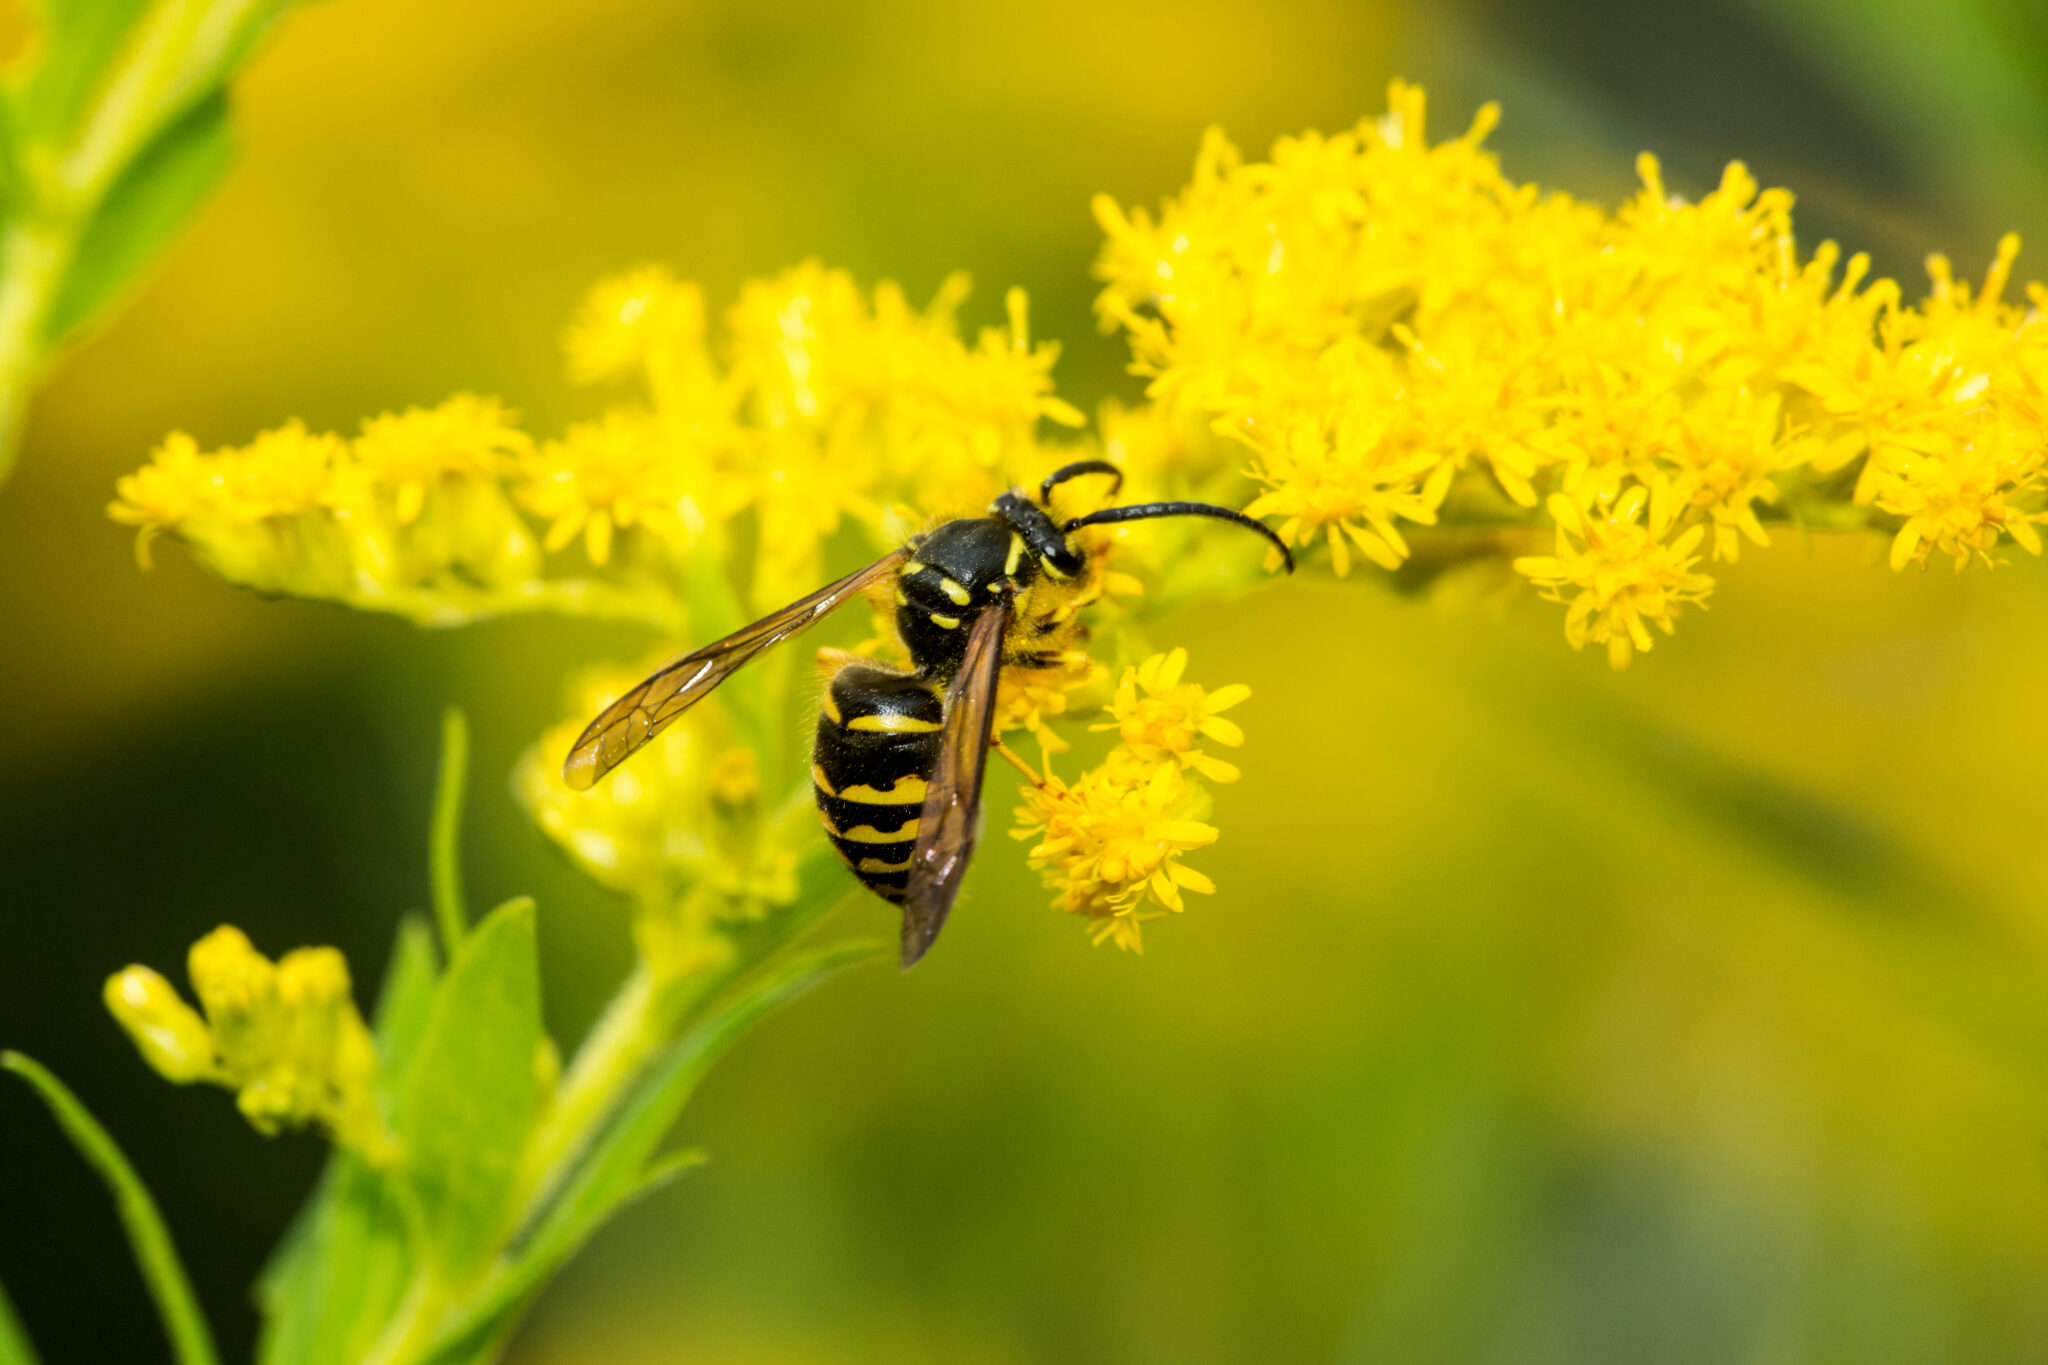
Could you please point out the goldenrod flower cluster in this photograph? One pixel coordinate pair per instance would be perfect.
(1383, 343)
(826, 402)
(284, 1036)
(1395, 336)
(410, 516)
(1111, 842)
(681, 830)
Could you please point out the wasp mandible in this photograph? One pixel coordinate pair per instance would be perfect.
(899, 754)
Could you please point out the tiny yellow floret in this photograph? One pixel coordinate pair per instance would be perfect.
(1160, 717)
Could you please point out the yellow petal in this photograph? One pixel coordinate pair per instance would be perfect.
(1223, 698)
(1223, 731)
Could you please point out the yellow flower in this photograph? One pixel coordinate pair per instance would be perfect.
(1155, 450)
(679, 829)
(1336, 474)
(899, 404)
(1959, 497)
(282, 472)
(624, 832)
(1111, 843)
(982, 403)
(802, 489)
(410, 452)
(1030, 698)
(1401, 336)
(158, 497)
(606, 476)
(1623, 573)
(1160, 717)
(1730, 451)
(285, 1036)
(642, 319)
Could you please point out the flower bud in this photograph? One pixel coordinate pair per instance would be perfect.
(168, 1033)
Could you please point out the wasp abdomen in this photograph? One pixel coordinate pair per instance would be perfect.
(877, 743)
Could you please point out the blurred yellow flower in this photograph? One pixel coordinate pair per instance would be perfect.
(283, 472)
(158, 497)
(679, 830)
(639, 320)
(408, 452)
(285, 1036)
(836, 404)
(608, 476)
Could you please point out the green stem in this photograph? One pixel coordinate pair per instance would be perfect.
(633, 1028)
(444, 843)
(157, 1256)
(177, 50)
(643, 1018)
(34, 256)
(450, 605)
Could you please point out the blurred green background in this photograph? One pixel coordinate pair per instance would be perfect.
(1692, 1014)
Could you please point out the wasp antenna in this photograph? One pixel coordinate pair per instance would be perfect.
(1146, 511)
(1075, 471)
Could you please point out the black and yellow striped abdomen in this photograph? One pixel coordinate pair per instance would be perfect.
(877, 743)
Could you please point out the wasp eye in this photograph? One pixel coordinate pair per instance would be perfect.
(1067, 559)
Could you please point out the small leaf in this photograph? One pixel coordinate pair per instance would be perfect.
(327, 1299)
(154, 197)
(342, 1269)
(664, 1169)
(191, 1339)
(15, 1347)
(618, 1166)
(469, 1100)
(404, 1006)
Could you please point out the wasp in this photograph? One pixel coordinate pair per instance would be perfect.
(899, 754)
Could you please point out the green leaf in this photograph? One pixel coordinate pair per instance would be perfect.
(619, 1166)
(404, 1006)
(15, 1347)
(342, 1269)
(155, 196)
(469, 1100)
(191, 1340)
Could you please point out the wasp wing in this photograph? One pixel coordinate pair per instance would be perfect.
(675, 687)
(951, 819)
